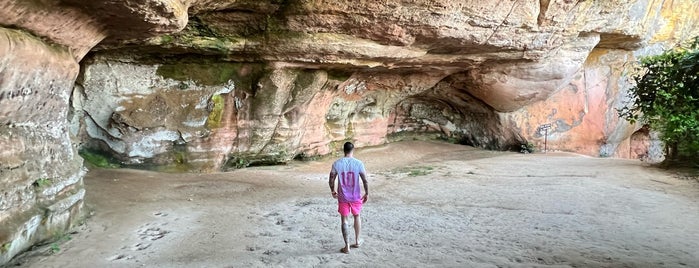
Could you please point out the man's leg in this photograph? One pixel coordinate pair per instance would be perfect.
(357, 229)
(345, 230)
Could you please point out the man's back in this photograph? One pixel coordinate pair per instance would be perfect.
(348, 170)
(349, 196)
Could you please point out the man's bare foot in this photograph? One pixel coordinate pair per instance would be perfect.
(356, 245)
(345, 250)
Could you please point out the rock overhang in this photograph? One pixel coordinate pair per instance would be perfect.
(310, 74)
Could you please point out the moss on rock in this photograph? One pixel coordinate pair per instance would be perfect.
(166, 39)
(216, 114)
(203, 73)
(98, 159)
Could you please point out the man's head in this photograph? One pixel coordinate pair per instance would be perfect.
(348, 148)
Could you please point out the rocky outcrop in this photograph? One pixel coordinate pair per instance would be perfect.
(583, 115)
(203, 85)
(41, 189)
(41, 173)
(487, 74)
(193, 114)
(69, 27)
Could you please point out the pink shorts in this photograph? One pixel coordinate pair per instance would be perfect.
(346, 208)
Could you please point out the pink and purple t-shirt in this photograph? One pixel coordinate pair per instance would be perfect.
(347, 170)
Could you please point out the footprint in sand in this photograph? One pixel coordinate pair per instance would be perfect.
(152, 233)
(160, 214)
(147, 232)
(252, 248)
(271, 252)
(121, 257)
(141, 246)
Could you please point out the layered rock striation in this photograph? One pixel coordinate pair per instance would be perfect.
(295, 78)
(40, 171)
(41, 188)
(202, 85)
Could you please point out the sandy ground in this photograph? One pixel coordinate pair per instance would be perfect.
(430, 205)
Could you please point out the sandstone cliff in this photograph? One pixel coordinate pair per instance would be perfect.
(202, 85)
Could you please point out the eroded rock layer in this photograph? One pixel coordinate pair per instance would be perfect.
(40, 171)
(294, 79)
(203, 85)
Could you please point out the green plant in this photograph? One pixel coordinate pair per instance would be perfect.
(237, 162)
(666, 97)
(6, 247)
(98, 159)
(527, 148)
(241, 163)
(54, 248)
(58, 238)
(165, 39)
(42, 182)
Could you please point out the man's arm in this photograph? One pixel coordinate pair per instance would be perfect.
(331, 183)
(366, 186)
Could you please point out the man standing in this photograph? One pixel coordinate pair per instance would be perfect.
(349, 196)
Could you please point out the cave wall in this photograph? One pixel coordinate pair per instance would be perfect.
(194, 114)
(204, 85)
(41, 173)
(483, 73)
(41, 188)
(583, 115)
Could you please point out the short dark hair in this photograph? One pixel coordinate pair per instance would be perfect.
(348, 147)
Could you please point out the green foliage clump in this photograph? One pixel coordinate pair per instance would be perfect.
(42, 182)
(59, 238)
(527, 148)
(98, 159)
(666, 97)
(166, 39)
(6, 247)
(54, 248)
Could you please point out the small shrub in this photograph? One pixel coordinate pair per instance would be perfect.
(42, 182)
(6, 247)
(527, 148)
(166, 39)
(241, 163)
(97, 159)
(54, 248)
